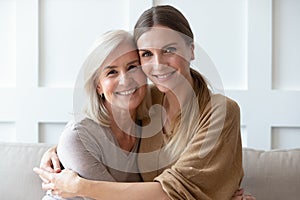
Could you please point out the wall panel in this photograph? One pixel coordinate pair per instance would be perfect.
(43, 44)
(286, 44)
(7, 132)
(50, 132)
(285, 137)
(67, 30)
(8, 43)
(253, 44)
(244, 135)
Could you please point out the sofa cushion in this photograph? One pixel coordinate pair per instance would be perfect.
(17, 179)
(271, 175)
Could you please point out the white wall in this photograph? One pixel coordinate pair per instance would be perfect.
(253, 43)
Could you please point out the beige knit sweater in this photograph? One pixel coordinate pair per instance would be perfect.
(211, 165)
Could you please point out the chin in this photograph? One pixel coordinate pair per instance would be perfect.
(163, 88)
(133, 104)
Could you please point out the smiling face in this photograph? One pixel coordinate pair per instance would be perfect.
(121, 78)
(165, 56)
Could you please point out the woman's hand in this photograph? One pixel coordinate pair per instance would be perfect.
(50, 161)
(239, 195)
(64, 184)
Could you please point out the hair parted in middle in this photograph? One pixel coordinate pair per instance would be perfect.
(187, 123)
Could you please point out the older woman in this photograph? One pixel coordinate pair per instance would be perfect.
(95, 146)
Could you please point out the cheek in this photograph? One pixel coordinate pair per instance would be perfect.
(107, 86)
(141, 77)
(181, 63)
(146, 68)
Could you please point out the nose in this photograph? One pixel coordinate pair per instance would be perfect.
(158, 60)
(125, 78)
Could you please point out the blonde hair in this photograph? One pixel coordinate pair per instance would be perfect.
(101, 49)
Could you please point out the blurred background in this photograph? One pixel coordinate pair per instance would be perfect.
(254, 44)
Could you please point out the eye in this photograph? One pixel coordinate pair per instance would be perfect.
(111, 72)
(146, 54)
(170, 50)
(132, 67)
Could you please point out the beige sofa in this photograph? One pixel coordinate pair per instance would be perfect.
(269, 175)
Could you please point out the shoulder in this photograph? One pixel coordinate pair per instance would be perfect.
(82, 125)
(220, 110)
(84, 129)
(224, 104)
(82, 136)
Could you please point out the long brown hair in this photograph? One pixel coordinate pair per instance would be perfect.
(170, 17)
(167, 16)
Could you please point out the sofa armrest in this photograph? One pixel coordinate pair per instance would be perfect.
(17, 179)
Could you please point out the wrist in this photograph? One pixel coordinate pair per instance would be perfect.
(90, 189)
(80, 186)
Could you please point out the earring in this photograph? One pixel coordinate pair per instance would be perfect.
(102, 96)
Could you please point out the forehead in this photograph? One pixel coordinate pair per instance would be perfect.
(122, 53)
(158, 37)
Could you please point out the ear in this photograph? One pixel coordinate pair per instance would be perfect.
(192, 51)
(99, 89)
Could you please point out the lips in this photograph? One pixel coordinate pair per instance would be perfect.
(126, 92)
(163, 76)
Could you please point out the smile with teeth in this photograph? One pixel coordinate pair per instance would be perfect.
(163, 76)
(127, 92)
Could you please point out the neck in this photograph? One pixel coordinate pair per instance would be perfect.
(125, 139)
(176, 98)
(123, 126)
(123, 118)
(171, 104)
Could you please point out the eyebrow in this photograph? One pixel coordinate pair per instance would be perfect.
(109, 67)
(134, 61)
(167, 45)
(173, 43)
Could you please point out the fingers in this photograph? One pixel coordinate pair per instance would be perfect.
(44, 180)
(50, 161)
(241, 195)
(45, 175)
(54, 194)
(239, 192)
(56, 164)
(46, 163)
(48, 186)
(248, 197)
(48, 169)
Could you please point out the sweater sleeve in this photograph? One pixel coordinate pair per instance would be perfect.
(211, 165)
(76, 155)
